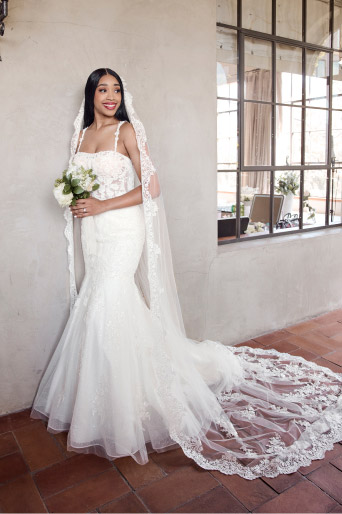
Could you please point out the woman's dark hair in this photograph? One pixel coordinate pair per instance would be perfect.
(89, 92)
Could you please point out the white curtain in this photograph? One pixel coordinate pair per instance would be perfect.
(257, 127)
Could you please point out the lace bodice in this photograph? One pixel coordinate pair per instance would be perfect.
(114, 171)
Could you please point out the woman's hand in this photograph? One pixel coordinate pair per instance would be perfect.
(87, 207)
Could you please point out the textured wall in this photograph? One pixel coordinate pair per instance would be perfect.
(166, 51)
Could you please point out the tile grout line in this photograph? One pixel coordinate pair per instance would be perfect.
(336, 466)
(57, 443)
(279, 494)
(133, 490)
(120, 498)
(75, 484)
(30, 472)
(39, 470)
(319, 487)
(171, 474)
(218, 486)
(236, 498)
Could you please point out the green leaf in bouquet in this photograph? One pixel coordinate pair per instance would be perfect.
(96, 186)
(73, 201)
(67, 189)
(75, 182)
(77, 190)
(82, 196)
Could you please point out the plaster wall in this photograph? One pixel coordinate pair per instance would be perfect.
(165, 49)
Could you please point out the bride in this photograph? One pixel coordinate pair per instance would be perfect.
(124, 380)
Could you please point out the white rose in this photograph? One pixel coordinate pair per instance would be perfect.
(90, 186)
(86, 184)
(62, 199)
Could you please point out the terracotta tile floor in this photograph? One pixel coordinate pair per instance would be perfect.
(37, 474)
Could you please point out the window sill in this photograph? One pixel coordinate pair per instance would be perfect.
(267, 241)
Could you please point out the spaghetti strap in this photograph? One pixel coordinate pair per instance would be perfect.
(82, 136)
(117, 135)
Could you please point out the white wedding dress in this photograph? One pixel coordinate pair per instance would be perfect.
(119, 391)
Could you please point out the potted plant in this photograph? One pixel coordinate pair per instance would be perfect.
(287, 185)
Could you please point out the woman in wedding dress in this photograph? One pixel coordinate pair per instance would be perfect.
(124, 380)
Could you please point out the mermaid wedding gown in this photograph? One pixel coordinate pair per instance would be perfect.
(119, 390)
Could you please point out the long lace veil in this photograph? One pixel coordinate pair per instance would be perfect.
(154, 275)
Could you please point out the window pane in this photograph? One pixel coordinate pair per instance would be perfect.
(337, 24)
(337, 81)
(256, 109)
(226, 205)
(258, 65)
(288, 146)
(226, 135)
(317, 26)
(257, 134)
(226, 12)
(315, 136)
(289, 74)
(336, 140)
(317, 71)
(226, 190)
(255, 198)
(226, 53)
(336, 197)
(257, 15)
(287, 185)
(315, 183)
(289, 19)
(286, 189)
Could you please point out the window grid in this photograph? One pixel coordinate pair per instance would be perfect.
(274, 39)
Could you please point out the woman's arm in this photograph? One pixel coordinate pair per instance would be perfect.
(133, 197)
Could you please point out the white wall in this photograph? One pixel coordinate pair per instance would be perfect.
(165, 49)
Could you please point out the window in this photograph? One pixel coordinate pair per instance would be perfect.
(279, 117)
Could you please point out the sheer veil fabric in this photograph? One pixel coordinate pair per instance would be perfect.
(244, 411)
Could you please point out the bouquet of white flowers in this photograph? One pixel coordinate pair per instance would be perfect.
(76, 183)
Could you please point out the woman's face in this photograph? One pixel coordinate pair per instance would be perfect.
(107, 96)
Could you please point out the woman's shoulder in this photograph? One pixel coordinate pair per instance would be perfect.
(127, 129)
(127, 126)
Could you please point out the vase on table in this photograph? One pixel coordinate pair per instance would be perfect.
(287, 205)
(247, 209)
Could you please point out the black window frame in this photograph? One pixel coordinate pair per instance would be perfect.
(242, 33)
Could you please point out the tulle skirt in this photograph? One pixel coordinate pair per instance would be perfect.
(107, 379)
